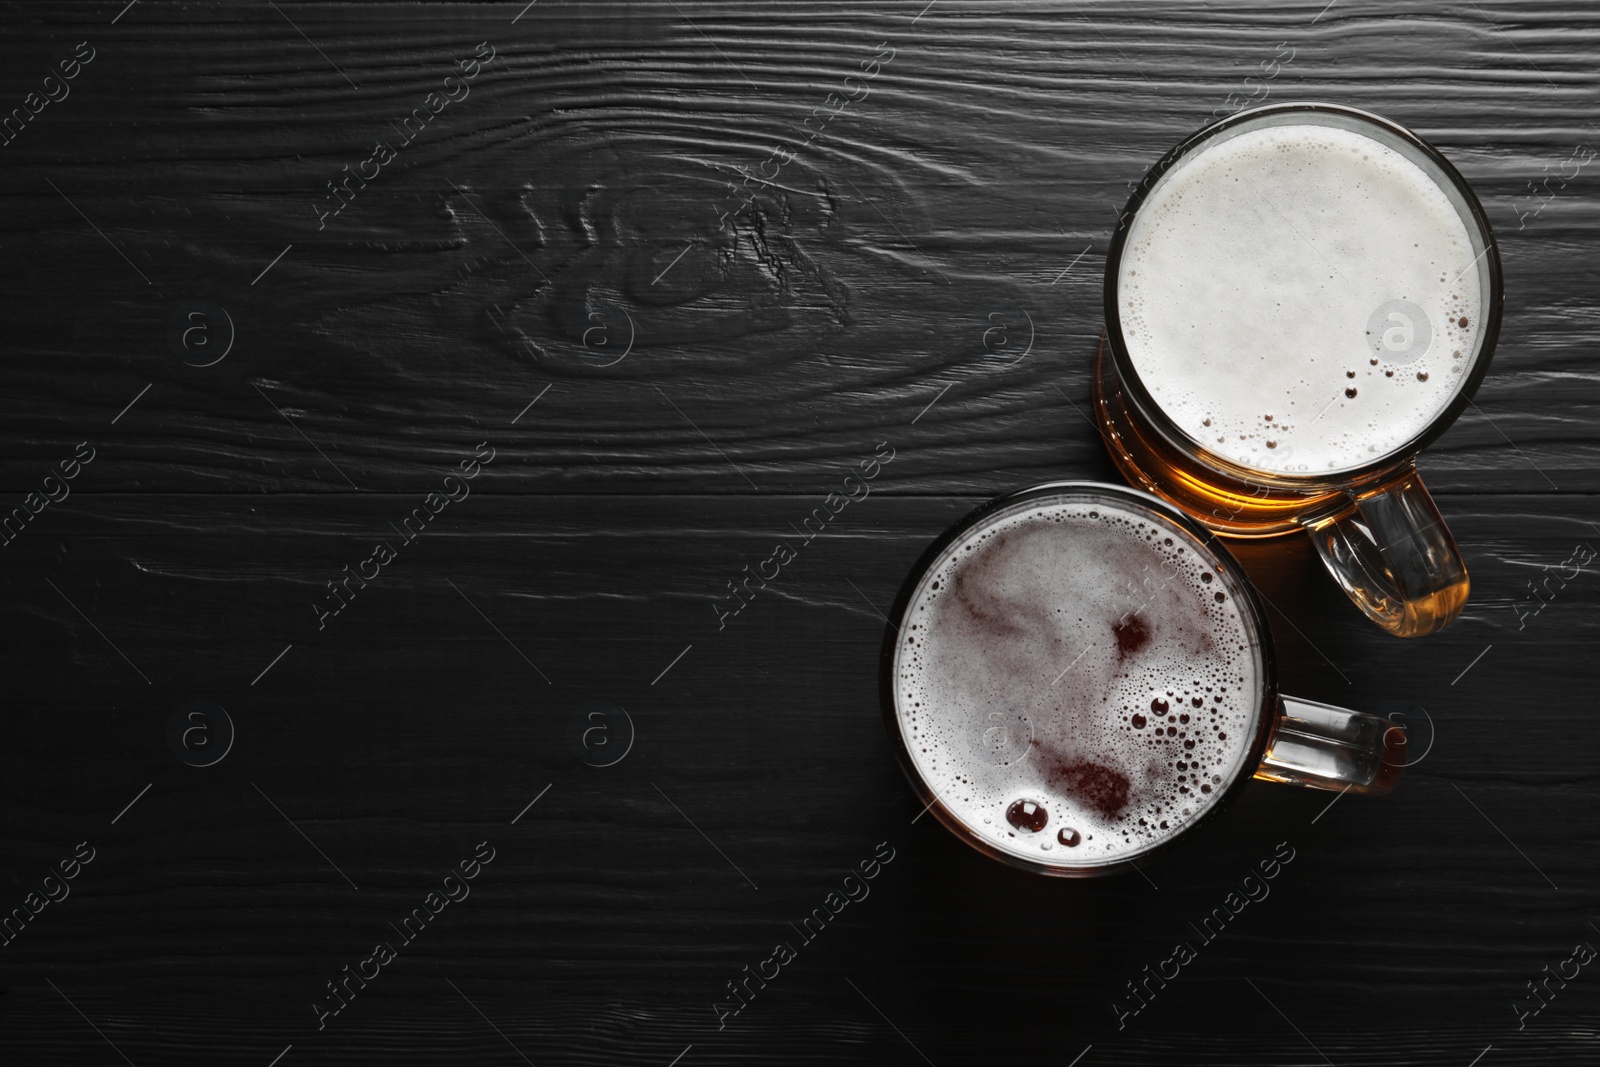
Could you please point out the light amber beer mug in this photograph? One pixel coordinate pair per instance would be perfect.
(1298, 300)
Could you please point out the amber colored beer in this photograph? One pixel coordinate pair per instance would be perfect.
(1239, 509)
(1230, 506)
(1299, 299)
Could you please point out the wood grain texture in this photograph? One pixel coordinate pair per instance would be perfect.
(885, 287)
(598, 146)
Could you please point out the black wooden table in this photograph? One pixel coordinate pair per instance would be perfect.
(288, 282)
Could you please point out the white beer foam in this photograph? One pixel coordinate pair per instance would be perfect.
(1300, 298)
(1033, 664)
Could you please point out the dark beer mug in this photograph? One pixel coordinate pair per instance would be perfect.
(1077, 676)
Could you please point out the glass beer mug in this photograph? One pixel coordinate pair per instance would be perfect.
(1078, 676)
(1298, 300)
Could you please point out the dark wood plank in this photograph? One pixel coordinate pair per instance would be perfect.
(548, 205)
(864, 300)
(409, 729)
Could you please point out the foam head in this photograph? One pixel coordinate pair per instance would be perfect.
(1076, 679)
(1301, 298)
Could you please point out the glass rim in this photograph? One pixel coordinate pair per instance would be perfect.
(1494, 297)
(1251, 609)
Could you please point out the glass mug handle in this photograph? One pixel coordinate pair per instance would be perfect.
(1390, 551)
(1324, 747)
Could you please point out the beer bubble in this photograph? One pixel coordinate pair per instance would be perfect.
(1068, 836)
(1350, 392)
(1027, 815)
